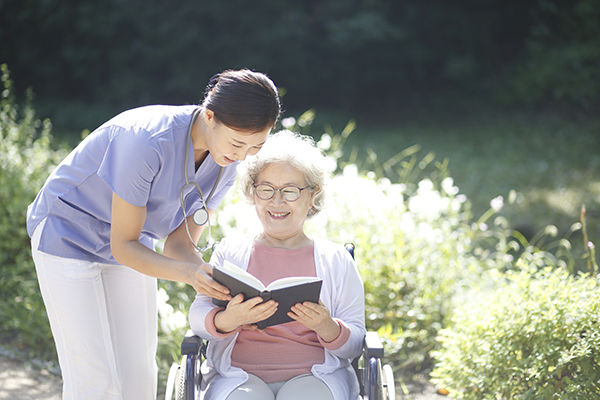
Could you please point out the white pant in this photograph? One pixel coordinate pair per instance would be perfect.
(104, 321)
(299, 388)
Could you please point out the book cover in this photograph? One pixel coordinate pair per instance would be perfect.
(285, 291)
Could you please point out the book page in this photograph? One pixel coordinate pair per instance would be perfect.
(291, 281)
(241, 275)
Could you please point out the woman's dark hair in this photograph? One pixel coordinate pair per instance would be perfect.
(243, 100)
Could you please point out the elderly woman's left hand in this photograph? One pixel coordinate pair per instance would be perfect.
(316, 317)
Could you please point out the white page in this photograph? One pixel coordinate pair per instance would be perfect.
(243, 276)
(290, 281)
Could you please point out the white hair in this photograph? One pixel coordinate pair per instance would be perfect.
(291, 148)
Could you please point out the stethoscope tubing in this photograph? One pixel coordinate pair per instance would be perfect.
(204, 218)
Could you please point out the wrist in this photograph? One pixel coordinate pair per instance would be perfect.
(192, 273)
(222, 323)
(331, 333)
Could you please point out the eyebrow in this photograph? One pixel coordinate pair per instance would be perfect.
(284, 185)
(240, 142)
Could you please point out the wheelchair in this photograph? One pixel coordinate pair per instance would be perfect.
(376, 381)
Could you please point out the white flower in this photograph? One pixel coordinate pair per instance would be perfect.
(164, 309)
(425, 185)
(176, 320)
(288, 123)
(331, 163)
(350, 171)
(407, 224)
(448, 186)
(497, 203)
(427, 203)
(325, 142)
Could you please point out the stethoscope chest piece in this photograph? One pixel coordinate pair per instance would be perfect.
(200, 216)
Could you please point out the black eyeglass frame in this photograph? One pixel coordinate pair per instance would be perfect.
(280, 190)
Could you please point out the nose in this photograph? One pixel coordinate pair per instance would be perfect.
(278, 197)
(241, 154)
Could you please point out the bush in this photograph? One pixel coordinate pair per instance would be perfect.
(26, 159)
(535, 337)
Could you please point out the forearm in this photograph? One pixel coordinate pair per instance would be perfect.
(127, 222)
(183, 252)
(137, 256)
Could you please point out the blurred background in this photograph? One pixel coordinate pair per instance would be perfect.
(87, 60)
(503, 96)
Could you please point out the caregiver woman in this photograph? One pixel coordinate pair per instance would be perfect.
(144, 175)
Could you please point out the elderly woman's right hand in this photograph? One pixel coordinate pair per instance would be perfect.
(203, 282)
(244, 313)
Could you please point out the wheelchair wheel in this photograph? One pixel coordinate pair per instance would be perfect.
(389, 386)
(380, 391)
(180, 392)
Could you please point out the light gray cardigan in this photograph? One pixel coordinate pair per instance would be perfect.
(342, 293)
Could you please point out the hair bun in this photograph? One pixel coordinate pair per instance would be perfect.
(212, 83)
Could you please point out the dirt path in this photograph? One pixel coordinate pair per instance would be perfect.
(21, 382)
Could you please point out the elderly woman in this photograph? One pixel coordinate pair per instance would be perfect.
(310, 357)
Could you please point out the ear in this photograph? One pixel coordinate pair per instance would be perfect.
(312, 196)
(209, 117)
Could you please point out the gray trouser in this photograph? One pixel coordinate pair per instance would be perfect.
(299, 388)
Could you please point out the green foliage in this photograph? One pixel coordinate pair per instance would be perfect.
(562, 56)
(327, 53)
(535, 336)
(26, 159)
(174, 300)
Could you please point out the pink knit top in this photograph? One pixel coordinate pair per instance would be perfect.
(284, 351)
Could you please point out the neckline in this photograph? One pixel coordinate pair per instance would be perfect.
(257, 240)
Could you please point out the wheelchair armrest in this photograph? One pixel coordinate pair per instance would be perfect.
(372, 345)
(191, 343)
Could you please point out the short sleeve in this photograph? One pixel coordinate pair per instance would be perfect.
(130, 164)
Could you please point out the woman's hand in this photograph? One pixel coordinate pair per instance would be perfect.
(201, 280)
(316, 317)
(244, 313)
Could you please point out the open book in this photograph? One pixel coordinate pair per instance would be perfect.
(285, 291)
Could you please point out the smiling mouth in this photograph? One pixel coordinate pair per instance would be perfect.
(278, 215)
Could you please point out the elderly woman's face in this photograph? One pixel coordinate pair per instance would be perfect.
(281, 219)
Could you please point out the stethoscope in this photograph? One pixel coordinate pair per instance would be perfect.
(200, 216)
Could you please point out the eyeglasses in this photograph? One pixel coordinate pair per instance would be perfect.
(288, 193)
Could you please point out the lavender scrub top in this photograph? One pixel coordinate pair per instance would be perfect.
(139, 155)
